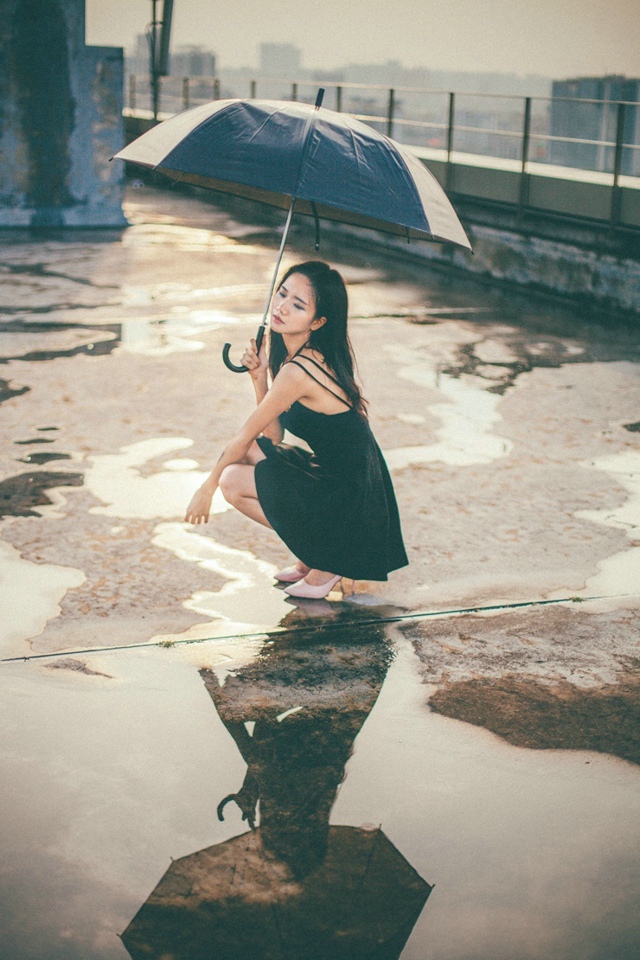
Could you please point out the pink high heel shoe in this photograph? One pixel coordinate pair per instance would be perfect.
(289, 575)
(311, 592)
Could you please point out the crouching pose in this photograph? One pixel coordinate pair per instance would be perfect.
(333, 507)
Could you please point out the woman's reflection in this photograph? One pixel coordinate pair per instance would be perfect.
(293, 886)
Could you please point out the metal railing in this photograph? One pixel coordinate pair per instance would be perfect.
(523, 134)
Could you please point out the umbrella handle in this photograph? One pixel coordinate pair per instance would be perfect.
(239, 367)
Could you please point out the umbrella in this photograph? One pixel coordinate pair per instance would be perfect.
(295, 887)
(234, 901)
(298, 157)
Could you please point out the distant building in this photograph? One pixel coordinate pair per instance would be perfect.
(594, 121)
(193, 62)
(187, 61)
(280, 60)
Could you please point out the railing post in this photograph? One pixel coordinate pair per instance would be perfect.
(338, 99)
(185, 93)
(216, 89)
(132, 91)
(526, 136)
(294, 92)
(616, 194)
(390, 110)
(156, 95)
(450, 128)
(252, 90)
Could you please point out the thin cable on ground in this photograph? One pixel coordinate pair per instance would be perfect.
(314, 627)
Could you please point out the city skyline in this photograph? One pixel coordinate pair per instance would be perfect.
(556, 39)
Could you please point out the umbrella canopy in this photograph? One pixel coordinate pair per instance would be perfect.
(273, 151)
(235, 902)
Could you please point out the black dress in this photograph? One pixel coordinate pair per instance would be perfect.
(334, 508)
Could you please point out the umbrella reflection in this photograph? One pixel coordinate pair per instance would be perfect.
(291, 886)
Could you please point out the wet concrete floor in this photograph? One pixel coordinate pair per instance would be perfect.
(463, 785)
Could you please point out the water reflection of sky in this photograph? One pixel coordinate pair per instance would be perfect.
(112, 774)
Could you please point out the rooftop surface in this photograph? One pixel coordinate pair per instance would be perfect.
(490, 754)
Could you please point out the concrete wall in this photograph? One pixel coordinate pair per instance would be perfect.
(60, 120)
(592, 277)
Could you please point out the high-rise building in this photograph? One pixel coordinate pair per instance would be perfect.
(595, 121)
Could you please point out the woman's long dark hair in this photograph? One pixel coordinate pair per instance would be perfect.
(331, 339)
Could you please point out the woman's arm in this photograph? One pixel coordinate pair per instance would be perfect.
(290, 385)
(258, 367)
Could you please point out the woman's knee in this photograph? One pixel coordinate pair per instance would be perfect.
(236, 482)
(230, 482)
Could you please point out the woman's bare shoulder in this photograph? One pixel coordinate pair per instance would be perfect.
(316, 358)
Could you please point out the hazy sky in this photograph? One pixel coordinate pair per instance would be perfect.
(558, 38)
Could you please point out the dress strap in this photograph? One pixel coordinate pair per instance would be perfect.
(320, 367)
(313, 377)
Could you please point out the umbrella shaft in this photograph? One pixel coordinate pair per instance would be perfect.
(277, 267)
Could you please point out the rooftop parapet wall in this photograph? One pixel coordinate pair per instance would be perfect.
(61, 119)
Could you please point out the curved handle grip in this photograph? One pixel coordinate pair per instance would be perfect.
(240, 368)
(235, 367)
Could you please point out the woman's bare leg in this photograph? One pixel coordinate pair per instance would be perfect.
(238, 487)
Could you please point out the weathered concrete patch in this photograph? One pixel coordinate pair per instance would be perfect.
(531, 714)
(549, 645)
(76, 666)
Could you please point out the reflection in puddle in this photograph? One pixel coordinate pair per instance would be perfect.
(293, 886)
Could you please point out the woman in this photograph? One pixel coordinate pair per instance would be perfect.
(334, 508)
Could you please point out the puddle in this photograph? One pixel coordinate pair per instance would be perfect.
(303, 804)
(184, 238)
(158, 337)
(8, 391)
(33, 440)
(115, 480)
(20, 495)
(247, 600)
(96, 340)
(468, 414)
(619, 574)
(41, 458)
(42, 270)
(30, 596)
